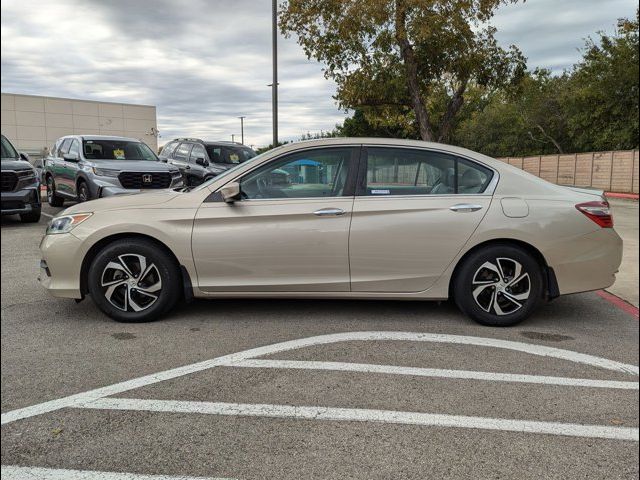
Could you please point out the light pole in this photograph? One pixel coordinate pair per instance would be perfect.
(274, 84)
(242, 129)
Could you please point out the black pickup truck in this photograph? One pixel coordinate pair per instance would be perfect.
(20, 185)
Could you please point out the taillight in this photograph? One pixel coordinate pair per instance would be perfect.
(599, 212)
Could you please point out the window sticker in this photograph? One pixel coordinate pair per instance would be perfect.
(380, 192)
(118, 154)
(234, 157)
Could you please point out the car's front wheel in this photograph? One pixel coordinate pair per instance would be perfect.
(499, 285)
(53, 198)
(84, 195)
(134, 280)
(32, 217)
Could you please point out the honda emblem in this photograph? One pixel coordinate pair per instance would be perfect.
(147, 178)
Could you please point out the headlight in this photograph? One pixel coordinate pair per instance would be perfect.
(106, 172)
(27, 174)
(66, 223)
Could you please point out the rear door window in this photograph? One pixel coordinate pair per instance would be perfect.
(399, 171)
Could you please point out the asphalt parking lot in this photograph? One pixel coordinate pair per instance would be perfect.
(340, 389)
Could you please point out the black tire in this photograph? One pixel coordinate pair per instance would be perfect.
(31, 217)
(167, 271)
(84, 194)
(53, 198)
(494, 289)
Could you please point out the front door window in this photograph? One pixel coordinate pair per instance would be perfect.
(312, 174)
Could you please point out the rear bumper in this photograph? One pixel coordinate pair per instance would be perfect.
(589, 262)
(25, 200)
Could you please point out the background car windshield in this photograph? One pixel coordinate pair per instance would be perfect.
(219, 154)
(7, 149)
(117, 150)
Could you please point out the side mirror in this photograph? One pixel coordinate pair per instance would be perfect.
(71, 157)
(202, 162)
(24, 156)
(230, 192)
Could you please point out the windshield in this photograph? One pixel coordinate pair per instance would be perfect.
(117, 150)
(235, 155)
(8, 152)
(230, 171)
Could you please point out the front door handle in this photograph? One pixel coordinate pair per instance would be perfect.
(328, 212)
(465, 207)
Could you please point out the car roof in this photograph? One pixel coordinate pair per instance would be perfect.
(103, 137)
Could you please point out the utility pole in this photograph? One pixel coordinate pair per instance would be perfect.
(274, 84)
(242, 129)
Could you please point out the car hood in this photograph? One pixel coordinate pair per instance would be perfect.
(134, 165)
(15, 165)
(144, 199)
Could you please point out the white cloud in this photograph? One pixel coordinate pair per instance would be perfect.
(205, 63)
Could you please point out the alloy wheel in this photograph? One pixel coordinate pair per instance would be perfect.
(131, 283)
(501, 286)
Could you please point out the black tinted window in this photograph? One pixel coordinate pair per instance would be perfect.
(7, 149)
(117, 150)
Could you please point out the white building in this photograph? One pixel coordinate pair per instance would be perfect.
(34, 123)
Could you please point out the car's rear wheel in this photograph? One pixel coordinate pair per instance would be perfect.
(499, 285)
(53, 198)
(134, 280)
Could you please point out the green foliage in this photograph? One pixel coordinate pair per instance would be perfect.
(603, 105)
(592, 107)
(404, 64)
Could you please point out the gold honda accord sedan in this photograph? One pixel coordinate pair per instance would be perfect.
(340, 218)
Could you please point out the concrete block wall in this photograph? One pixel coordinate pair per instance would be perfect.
(34, 123)
(610, 171)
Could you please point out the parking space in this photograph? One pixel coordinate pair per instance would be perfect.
(311, 389)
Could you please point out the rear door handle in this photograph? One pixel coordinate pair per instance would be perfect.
(328, 212)
(465, 207)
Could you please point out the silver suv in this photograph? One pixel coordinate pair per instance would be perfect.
(85, 167)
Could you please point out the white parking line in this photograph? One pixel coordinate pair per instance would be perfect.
(233, 358)
(46, 215)
(33, 473)
(437, 373)
(365, 415)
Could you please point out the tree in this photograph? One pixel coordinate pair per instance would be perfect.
(603, 105)
(404, 62)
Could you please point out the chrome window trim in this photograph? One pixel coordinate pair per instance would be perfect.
(488, 191)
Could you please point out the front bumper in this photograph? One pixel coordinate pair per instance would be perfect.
(104, 189)
(25, 200)
(59, 270)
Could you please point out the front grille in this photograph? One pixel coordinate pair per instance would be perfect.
(141, 180)
(9, 181)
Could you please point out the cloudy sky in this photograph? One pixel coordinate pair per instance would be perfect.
(204, 63)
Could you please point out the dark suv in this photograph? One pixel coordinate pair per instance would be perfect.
(20, 185)
(199, 160)
(84, 167)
